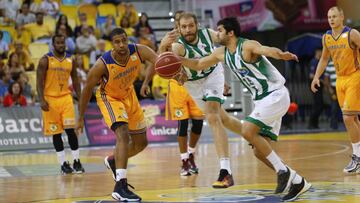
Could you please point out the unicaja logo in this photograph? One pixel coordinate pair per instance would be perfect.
(163, 131)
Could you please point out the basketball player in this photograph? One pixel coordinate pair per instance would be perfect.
(342, 44)
(56, 102)
(247, 60)
(206, 86)
(180, 106)
(117, 70)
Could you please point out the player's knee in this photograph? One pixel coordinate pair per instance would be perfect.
(121, 131)
(142, 144)
(349, 119)
(183, 127)
(213, 118)
(196, 126)
(247, 135)
(73, 140)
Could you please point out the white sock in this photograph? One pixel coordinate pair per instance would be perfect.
(184, 156)
(297, 179)
(225, 164)
(191, 150)
(75, 154)
(276, 162)
(120, 174)
(61, 157)
(356, 148)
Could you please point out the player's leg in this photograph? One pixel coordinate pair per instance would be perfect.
(68, 117)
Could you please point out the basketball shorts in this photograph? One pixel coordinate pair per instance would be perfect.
(348, 93)
(61, 115)
(210, 88)
(268, 112)
(126, 110)
(179, 104)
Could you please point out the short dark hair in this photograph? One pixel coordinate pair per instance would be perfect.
(56, 36)
(117, 31)
(230, 24)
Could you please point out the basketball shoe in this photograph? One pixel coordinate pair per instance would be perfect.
(66, 168)
(77, 166)
(109, 162)
(353, 166)
(296, 190)
(122, 192)
(225, 180)
(193, 168)
(284, 179)
(185, 168)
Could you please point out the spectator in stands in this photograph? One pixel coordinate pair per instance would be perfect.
(318, 102)
(15, 96)
(69, 42)
(25, 17)
(5, 81)
(40, 32)
(80, 68)
(63, 20)
(107, 27)
(86, 42)
(159, 87)
(100, 50)
(143, 22)
(23, 56)
(83, 22)
(50, 7)
(22, 36)
(23, 79)
(4, 47)
(14, 65)
(127, 10)
(95, 2)
(146, 39)
(9, 8)
(125, 24)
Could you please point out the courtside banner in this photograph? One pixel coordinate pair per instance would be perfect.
(158, 130)
(21, 128)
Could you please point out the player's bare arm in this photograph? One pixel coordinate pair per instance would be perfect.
(214, 36)
(167, 41)
(205, 62)
(355, 39)
(75, 80)
(253, 49)
(149, 56)
(324, 60)
(95, 74)
(40, 85)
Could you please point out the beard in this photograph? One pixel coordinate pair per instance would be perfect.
(189, 37)
(60, 50)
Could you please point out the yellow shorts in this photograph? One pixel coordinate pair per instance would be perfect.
(348, 92)
(127, 110)
(179, 104)
(61, 115)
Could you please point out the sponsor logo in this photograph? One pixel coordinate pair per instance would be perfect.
(133, 57)
(178, 113)
(53, 127)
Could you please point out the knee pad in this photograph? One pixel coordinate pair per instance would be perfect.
(183, 127)
(196, 126)
(58, 142)
(73, 140)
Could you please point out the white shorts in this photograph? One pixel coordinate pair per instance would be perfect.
(268, 112)
(210, 88)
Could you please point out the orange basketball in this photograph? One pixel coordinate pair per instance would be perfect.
(292, 108)
(167, 65)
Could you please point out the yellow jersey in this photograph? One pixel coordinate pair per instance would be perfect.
(57, 75)
(119, 82)
(345, 58)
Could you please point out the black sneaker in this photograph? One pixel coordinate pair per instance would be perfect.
(296, 190)
(193, 168)
(225, 180)
(185, 168)
(66, 168)
(284, 179)
(78, 168)
(109, 162)
(122, 193)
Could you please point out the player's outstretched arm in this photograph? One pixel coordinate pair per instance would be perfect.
(168, 39)
(149, 56)
(205, 62)
(40, 85)
(321, 66)
(256, 49)
(94, 75)
(75, 79)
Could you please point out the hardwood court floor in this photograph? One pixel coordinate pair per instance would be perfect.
(34, 176)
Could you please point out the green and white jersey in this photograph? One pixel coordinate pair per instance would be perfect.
(331, 73)
(202, 48)
(260, 78)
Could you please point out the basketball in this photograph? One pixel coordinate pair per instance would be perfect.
(167, 65)
(292, 108)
